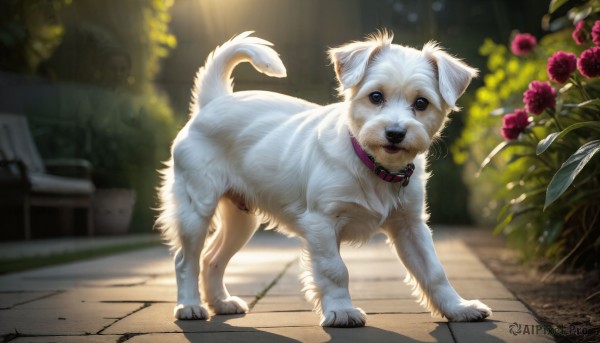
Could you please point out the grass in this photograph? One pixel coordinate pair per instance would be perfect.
(27, 263)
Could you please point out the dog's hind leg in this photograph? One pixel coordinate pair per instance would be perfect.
(193, 202)
(236, 228)
(187, 269)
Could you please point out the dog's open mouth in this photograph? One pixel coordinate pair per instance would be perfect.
(392, 149)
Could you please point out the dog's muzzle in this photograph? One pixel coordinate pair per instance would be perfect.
(402, 176)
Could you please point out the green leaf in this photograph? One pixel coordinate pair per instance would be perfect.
(569, 170)
(546, 142)
(496, 150)
(503, 211)
(491, 155)
(500, 227)
(517, 157)
(555, 4)
(552, 232)
(566, 87)
(589, 103)
(499, 111)
(559, 23)
(580, 13)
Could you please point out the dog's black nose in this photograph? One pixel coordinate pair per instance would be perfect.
(395, 134)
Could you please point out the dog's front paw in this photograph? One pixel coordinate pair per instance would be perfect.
(186, 312)
(231, 305)
(344, 318)
(468, 311)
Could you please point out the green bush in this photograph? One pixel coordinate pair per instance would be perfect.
(87, 70)
(544, 180)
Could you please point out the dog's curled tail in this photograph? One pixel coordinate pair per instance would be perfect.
(214, 80)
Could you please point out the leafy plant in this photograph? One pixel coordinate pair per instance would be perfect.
(547, 176)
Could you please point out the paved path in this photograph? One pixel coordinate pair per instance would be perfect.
(53, 246)
(130, 297)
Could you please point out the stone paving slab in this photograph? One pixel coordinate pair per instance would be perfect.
(130, 297)
(298, 303)
(66, 319)
(145, 321)
(11, 299)
(69, 339)
(123, 268)
(380, 328)
(498, 329)
(480, 288)
(139, 294)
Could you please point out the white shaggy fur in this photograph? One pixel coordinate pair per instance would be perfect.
(255, 154)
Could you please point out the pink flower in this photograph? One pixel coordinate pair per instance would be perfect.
(539, 97)
(596, 32)
(589, 62)
(580, 35)
(514, 123)
(561, 65)
(523, 44)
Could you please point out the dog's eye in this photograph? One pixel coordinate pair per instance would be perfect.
(421, 104)
(376, 98)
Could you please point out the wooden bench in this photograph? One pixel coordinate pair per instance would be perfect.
(22, 169)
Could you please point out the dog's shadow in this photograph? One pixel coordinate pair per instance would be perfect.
(374, 334)
(218, 330)
(475, 332)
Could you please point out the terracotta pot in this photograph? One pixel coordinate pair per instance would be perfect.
(113, 209)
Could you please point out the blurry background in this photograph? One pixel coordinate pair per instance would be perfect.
(109, 81)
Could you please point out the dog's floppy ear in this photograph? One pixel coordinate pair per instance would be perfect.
(351, 60)
(453, 75)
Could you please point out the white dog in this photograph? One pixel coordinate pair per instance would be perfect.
(328, 174)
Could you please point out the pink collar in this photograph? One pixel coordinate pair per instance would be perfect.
(400, 176)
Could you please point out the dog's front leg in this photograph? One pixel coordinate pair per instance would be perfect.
(414, 246)
(326, 277)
